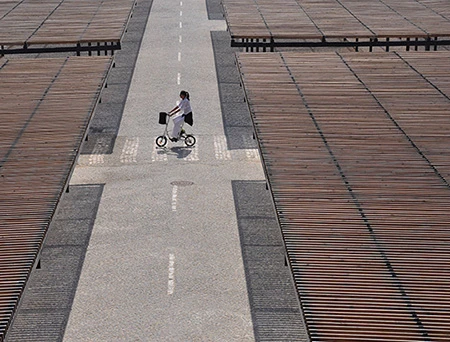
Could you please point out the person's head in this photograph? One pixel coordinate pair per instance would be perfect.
(184, 94)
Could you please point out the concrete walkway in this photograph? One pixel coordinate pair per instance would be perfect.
(164, 261)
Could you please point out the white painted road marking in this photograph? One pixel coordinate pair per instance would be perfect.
(171, 282)
(252, 153)
(130, 150)
(221, 152)
(193, 156)
(158, 153)
(178, 78)
(174, 197)
(220, 148)
(97, 157)
(179, 56)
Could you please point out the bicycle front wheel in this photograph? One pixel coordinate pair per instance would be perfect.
(189, 140)
(161, 141)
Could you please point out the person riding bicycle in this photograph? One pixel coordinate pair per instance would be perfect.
(179, 113)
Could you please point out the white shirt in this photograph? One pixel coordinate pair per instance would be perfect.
(185, 108)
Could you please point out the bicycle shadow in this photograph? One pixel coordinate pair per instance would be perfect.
(180, 152)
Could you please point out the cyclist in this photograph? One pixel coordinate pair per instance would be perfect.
(178, 114)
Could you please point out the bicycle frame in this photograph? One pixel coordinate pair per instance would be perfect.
(161, 141)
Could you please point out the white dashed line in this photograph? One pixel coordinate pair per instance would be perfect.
(174, 197)
(181, 24)
(129, 151)
(220, 148)
(181, 3)
(179, 56)
(179, 79)
(181, 13)
(171, 282)
(180, 39)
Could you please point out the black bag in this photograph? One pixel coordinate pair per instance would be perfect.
(189, 119)
(162, 118)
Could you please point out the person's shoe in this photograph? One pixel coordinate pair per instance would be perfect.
(182, 133)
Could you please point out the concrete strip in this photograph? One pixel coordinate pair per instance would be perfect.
(152, 273)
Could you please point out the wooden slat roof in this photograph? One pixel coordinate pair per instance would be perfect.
(356, 151)
(63, 21)
(328, 19)
(46, 106)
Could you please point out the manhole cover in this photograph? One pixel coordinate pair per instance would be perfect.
(182, 183)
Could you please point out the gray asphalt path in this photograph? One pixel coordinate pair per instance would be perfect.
(164, 261)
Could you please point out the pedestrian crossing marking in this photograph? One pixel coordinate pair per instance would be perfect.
(221, 148)
(193, 155)
(129, 151)
(95, 159)
(97, 156)
(251, 153)
(159, 154)
(221, 151)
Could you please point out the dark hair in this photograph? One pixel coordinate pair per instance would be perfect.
(185, 94)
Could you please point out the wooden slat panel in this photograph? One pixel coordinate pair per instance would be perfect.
(333, 19)
(329, 15)
(46, 108)
(384, 21)
(362, 203)
(426, 17)
(64, 21)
